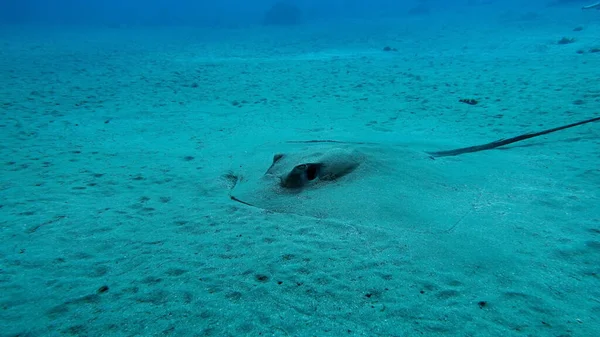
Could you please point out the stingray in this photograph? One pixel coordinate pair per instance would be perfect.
(369, 183)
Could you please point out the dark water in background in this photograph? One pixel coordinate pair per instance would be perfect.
(236, 12)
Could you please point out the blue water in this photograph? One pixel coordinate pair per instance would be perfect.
(235, 12)
(127, 127)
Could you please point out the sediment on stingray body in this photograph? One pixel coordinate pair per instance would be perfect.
(374, 184)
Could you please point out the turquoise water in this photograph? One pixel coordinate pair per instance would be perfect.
(126, 129)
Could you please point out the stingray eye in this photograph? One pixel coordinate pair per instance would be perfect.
(300, 175)
(311, 171)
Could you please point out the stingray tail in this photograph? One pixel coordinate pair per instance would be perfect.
(502, 142)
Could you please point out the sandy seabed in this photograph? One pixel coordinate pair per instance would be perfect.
(115, 214)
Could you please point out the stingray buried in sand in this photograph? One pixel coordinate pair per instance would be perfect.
(371, 183)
